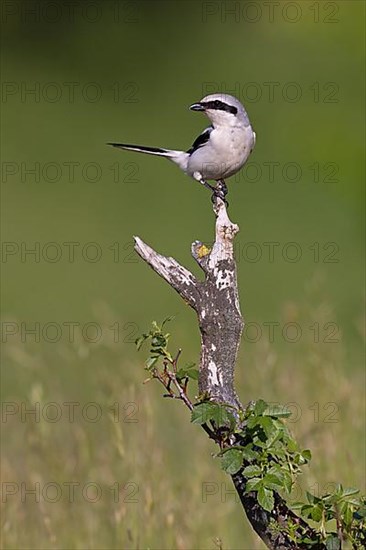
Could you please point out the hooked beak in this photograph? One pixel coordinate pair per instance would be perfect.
(197, 107)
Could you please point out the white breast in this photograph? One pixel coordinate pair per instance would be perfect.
(224, 154)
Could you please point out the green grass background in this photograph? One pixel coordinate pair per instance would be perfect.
(163, 56)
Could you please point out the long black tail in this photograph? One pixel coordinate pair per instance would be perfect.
(143, 149)
(179, 157)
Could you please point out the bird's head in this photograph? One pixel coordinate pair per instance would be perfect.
(222, 110)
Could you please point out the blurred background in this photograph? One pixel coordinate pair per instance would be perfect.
(92, 458)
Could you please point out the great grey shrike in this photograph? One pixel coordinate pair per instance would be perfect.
(220, 151)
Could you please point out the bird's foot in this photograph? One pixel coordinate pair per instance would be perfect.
(222, 187)
(197, 176)
(220, 192)
(216, 195)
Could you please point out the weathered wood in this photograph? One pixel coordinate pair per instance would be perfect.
(216, 302)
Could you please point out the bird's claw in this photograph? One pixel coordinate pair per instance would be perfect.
(220, 192)
(217, 194)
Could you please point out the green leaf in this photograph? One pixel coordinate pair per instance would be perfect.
(271, 481)
(339, 490)
(348, 491)
(249, 409)
(277, 411)
(268, 426)
(140, 340)
(347, 515)
(306, 510)
(279, 454)
(232, 461)
(218, 414)
(187, 372)
(277, 471)
(253, 484)
(299, 460)
(306, 454)
(159, 341)
(292, 445)
(181, 373)
(258, 443)
(287, 482)
(252, 471)
(193, 373)
(310, 542)
(214, 412)
(204, 412)
(266, 498)
(274, 436)
(296, 505)
(248, 453)
(151, 362)
(332, 542)
(252, 422)
(201, 413)
(354, 501)
(316, 513)
(260, 407)
(232, 421)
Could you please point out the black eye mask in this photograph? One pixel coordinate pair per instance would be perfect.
(219, 106)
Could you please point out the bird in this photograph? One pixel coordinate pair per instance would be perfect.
(220, 151)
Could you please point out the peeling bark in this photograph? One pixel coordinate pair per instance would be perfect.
(215, 301)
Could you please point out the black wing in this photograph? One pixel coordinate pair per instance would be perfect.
(201, 140)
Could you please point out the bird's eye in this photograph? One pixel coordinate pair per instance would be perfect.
(217, 103)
